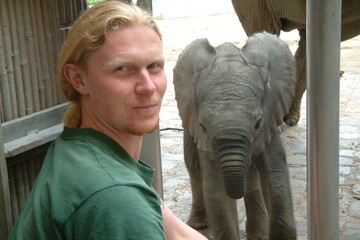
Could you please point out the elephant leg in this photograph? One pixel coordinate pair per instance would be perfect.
(276, 187)
(266, 19)
(221, 209)
(300, 57)
(350, 29)
(198, 218)
(257, 224)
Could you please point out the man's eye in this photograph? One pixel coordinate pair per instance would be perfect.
(122, 68)
(153, 65)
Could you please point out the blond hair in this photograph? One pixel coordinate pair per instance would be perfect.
(87, 35)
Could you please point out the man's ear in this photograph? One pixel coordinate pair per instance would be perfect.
(76, 78)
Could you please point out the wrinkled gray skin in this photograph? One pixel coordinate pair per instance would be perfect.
(274, 16)
(231, 102)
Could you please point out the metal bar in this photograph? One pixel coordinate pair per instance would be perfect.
(151, 154)
(151, 149)
(323, 68)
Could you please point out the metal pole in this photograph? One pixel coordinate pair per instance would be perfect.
(151, 154)
(323, 68)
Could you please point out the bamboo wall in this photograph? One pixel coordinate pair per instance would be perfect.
(31, 34)
(22, 176)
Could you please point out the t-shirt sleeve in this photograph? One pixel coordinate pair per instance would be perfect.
(118, 212)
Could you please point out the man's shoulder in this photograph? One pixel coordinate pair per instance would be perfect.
(123, 210)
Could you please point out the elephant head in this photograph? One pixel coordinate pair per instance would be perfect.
(232, 100)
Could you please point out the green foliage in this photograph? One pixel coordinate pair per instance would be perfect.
(92, 2)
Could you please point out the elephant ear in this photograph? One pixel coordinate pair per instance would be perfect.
(196, 57)
(274, 57)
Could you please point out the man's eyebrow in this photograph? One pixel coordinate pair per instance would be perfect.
(118, 61)
(158, 58)
(124, 60)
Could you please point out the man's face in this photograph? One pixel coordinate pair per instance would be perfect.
(126, 81)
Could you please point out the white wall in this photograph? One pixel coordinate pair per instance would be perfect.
(184, 8)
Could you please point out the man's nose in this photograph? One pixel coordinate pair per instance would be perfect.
(145, 84)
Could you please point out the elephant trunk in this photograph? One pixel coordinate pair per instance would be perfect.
(233, 156)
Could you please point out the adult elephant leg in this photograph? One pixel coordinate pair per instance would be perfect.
(257, 224)
(198, 218)
(350, 30)
(300, 57)
(275, 183)
(145, 4)
(256, 16)
(221, 209)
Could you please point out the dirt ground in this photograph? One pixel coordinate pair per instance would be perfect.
(177, 34)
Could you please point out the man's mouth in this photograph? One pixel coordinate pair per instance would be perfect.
(147, 107)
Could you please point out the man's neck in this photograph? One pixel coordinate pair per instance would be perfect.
(130, 142)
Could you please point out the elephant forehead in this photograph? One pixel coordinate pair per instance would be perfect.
(231, 111)
(228, 120)
(234, 72)
(232, 85)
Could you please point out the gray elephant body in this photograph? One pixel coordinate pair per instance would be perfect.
(231, 101)
(274, 16)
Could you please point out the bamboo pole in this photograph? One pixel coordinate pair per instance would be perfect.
(19, 186)
(50, 40)
(25, 178)
(58, 39)
(10, 110)
(24, 88)
(5, 202)
(32, 56)
(54, 29)
(18, 87)
(42, 45)
(4, 77)
(32, 172)
(13, 196)
(61, 10)
(70, 11)
(38, 59)
(3, 72)
(38, 163)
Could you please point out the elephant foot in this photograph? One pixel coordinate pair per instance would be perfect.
(258, 237)
(258, 229)
(198, 221)
(198, 225)
(292, 118)
(281, 128)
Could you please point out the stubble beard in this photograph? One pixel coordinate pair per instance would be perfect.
(142, 130)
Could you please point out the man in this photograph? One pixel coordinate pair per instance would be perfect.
(92, 184)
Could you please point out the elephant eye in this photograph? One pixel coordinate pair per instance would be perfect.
(258, 123)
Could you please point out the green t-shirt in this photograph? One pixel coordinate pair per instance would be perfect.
(90, 188)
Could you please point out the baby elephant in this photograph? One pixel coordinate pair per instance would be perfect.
(231, 102)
